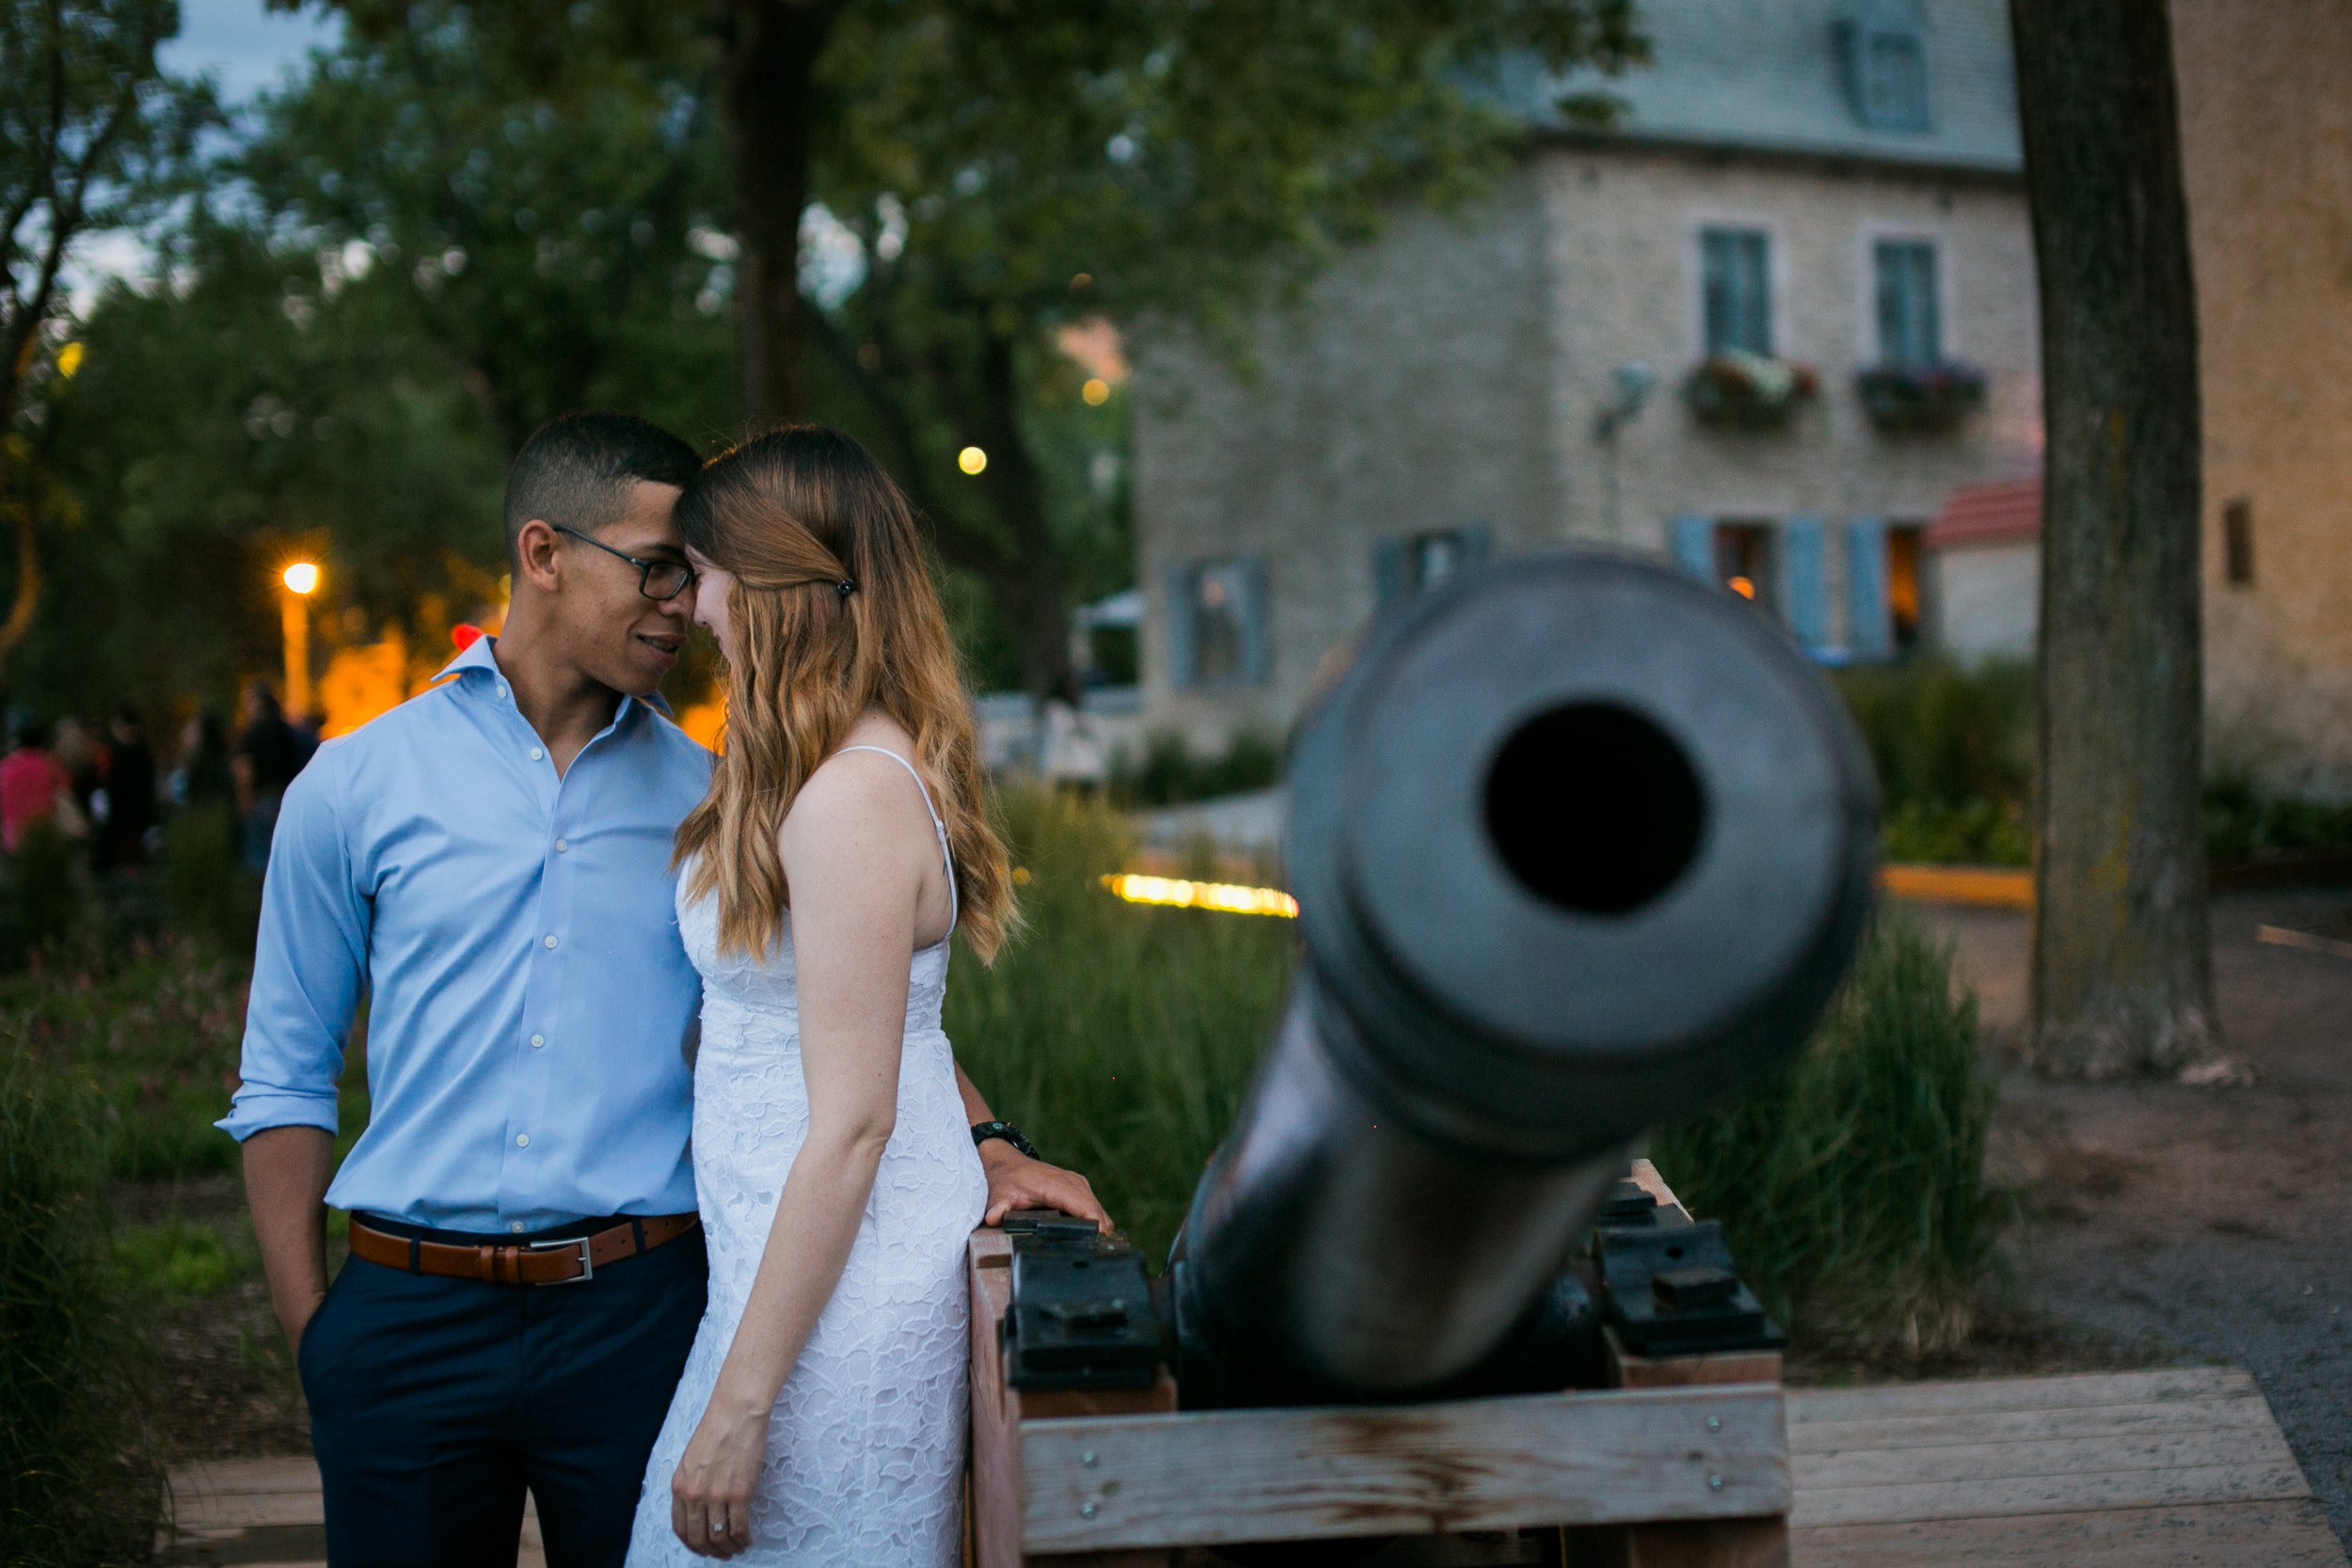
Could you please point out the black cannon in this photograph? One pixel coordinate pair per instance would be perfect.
(1580, 847)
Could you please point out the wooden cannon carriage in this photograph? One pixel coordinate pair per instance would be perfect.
(1682, 1465)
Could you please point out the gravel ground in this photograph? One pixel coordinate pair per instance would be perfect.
(2202, 1224)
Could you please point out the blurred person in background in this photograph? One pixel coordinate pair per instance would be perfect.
(130, 793)
(307, 729)
(204, 777)
(32, 785)
(268, 756)
(84, 761)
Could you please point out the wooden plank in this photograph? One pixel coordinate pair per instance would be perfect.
(995, 1434)
(2016, 1393)
(2211, 1535)
(238, 1511)
(1645, 1176)
(1291, 1474)
(2002, 1426)
(2064, 1493)
(1628, 1371)
(1756, 1543)
(2110, 1454)
(232, 1477)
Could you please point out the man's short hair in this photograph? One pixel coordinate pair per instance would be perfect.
(576, 469)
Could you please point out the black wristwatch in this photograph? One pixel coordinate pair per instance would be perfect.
(982, 1131)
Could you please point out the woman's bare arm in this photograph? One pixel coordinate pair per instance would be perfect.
(855, 851)
(1017, 1181)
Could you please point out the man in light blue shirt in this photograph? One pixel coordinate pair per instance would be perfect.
(489, 863)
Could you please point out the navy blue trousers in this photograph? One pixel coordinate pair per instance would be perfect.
(436, 1403)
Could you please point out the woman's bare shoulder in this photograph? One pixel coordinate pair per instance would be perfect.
(853, 789)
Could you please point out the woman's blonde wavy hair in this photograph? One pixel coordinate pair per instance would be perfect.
(795, 515)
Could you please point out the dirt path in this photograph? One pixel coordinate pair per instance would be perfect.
(2204, 1222)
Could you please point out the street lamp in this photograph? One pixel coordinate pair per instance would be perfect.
(301, 580)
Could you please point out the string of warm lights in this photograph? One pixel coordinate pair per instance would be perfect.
(1180, 893)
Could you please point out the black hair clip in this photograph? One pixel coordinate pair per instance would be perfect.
(845, 587)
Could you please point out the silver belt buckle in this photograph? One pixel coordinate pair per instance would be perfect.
(587, 1263)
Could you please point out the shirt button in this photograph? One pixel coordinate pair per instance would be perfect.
(536, 753)
(562, 845)
(516, 1227)
(501, 688)
(538, 1040)
(522, 1140)
(550, 942)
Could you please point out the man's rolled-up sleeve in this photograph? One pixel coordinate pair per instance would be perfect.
(309, 966)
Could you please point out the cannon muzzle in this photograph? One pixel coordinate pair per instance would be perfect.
(1579, 848)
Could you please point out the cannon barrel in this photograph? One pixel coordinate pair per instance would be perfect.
(1580, 847)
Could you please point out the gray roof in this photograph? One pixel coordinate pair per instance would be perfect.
(1770, 75)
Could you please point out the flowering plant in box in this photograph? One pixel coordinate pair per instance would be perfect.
(1751, 390)
(1934, 396)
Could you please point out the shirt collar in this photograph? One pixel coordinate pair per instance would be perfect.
(482, 656)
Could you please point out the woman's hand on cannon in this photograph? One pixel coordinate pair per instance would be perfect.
(1017, 1181)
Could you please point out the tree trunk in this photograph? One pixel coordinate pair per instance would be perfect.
(1019, 565)
(2122, 966)
(768, 53)
(1028, 586)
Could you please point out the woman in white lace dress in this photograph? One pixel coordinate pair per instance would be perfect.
(820, 1419)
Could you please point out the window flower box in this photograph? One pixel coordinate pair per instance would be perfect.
(1933, 397)
(1750, 392)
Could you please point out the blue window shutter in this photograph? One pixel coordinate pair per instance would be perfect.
(1869, 625)
(1257, 653)
(1695, 548)
(1805, 580)
(1387, 571)
(1181, 670)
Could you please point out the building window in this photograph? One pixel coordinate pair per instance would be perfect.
(2237, 542)
(1903, 613)
(1743, 562)
(1736, 284)
(1402, 567)
(1883, 51)
(1911, 327)
(1217, 625)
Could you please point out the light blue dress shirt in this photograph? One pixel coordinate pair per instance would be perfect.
(530, 997)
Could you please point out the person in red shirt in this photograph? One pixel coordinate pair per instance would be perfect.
(30, 782)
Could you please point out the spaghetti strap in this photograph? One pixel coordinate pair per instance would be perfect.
(946, 855)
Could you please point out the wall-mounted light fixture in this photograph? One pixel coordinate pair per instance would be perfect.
(1630, 385)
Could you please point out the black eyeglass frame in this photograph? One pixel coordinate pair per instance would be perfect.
(644, 568)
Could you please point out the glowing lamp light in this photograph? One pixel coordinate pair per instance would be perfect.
(1742, 586)
(971, 460)
(302, 576)
(1097, 391)
(1224, 897)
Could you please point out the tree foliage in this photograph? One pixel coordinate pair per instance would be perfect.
(464, 218)
(92, 137)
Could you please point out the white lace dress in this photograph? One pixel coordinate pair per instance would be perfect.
(865, 1449)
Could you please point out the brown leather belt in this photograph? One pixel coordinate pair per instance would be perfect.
(565, 1263)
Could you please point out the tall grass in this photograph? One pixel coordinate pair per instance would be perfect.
(52, 904)
(79, 1478)
(1850, 1183)
(154, 1035)
(1121, 1037)
(214, 900)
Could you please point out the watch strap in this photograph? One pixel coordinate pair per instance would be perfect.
(982, 1131)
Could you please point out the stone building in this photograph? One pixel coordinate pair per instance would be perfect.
(1764, 325)
(2266, 150)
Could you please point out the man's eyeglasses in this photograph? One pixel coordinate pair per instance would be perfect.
(659, 580)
